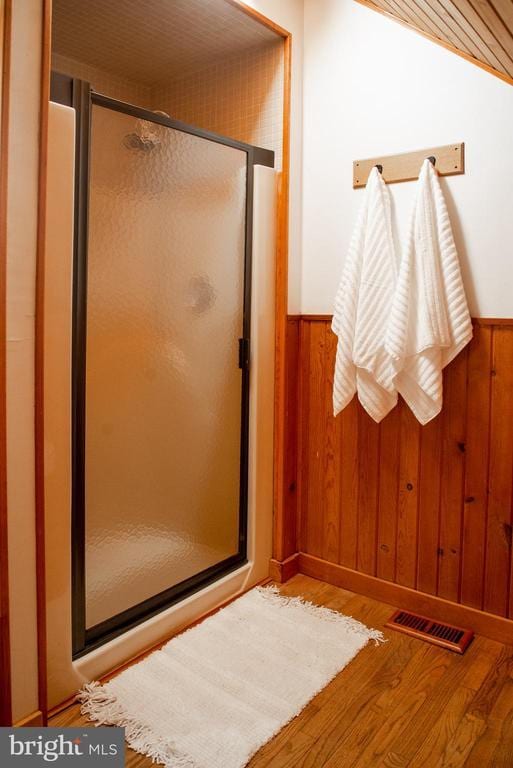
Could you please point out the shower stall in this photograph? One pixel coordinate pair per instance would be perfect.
(161, 326)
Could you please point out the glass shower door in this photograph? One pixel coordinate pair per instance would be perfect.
(165, 400)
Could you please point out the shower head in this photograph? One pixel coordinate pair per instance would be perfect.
(145, 137)
(140, 143)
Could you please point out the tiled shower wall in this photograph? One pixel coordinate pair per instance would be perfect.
(104, 82)
(240, 96)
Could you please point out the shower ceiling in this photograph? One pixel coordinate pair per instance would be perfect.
(152, 42)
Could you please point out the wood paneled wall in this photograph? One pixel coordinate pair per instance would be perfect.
(428, 508)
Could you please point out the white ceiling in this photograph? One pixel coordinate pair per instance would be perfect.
(152, 41)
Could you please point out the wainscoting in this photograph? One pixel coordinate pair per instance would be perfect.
(427, 509)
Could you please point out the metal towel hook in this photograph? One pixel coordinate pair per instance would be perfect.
(379, 167)
(432, 159)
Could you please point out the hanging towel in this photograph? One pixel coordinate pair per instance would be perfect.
(362, 307)
(429, 321)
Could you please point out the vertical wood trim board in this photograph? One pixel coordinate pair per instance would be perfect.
(281, 299)
(289, 511)
(429, 507)
(283, 495)
(5, 648)
(39, 431)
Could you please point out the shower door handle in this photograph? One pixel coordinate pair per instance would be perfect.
(244, 354)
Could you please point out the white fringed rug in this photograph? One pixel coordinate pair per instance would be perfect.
(215, 694)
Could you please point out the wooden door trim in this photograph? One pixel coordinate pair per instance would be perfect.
(46, 52)
(5, 660)
(281, 306)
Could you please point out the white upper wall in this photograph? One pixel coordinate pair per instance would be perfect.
(372, 87)
(289, 15)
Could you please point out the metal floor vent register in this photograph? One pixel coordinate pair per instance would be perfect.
(446, 635)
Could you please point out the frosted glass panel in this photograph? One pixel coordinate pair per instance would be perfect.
(163, 387)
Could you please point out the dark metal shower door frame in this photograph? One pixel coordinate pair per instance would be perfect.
(79, 95)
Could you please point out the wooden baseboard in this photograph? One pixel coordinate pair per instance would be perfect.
(285, 570)
(35, 720)
(58, 708)
(487, 624)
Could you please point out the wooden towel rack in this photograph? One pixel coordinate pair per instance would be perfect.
(449, 161)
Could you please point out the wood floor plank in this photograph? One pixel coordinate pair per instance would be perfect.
(503, 755)
(433, 714)
(332, 722)
(444, 714)
(403, 704)
(399, 711)
(497, 731)
(285, 752)
(354, 743)
(480, 725)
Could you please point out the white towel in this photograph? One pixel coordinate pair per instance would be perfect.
(429, 322)
(362, 307)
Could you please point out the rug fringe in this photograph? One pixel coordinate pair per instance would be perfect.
(273, 594)
(103, 708)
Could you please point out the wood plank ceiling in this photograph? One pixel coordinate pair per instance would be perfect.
(478, 30)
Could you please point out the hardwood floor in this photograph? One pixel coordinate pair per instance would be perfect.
(404, 703)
